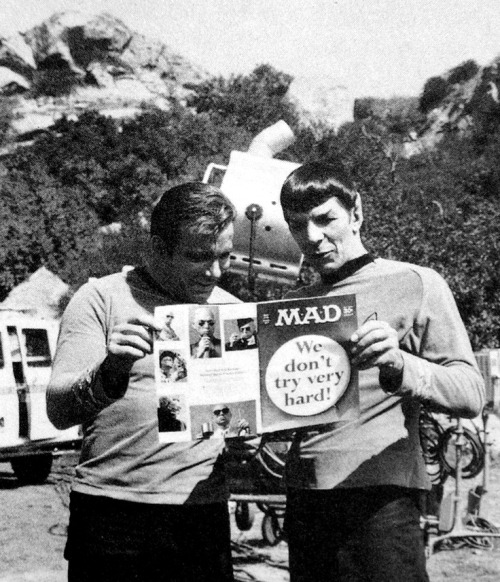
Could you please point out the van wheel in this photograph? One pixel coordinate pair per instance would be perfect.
(243, 515)
(271, 528)
(32, 470)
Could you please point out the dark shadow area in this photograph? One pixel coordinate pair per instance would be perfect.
(7, 478)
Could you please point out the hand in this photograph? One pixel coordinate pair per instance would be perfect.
(243, 427)
(233, 338)
(376, 343)
(204, 345)
(130, 341)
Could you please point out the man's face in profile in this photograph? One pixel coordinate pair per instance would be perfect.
(222, 415)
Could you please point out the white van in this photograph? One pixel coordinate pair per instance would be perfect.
(28, 440)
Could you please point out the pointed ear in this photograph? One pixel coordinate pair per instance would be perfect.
(357, 214)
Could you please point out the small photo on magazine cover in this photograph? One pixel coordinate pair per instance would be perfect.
(224, 419)
(172, 413)
(205, 332)
(172, 366)
(240, 334)
(171, 327)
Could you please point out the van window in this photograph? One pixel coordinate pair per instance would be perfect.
(37, 348)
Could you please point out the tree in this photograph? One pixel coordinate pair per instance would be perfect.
(6, 115)
(252, 101)
(463, 72)
(43, 224)
(435, 90)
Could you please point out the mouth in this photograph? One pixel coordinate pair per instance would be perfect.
(322, 256)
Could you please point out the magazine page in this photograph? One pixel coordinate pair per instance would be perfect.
(206, 371)
(305, 371)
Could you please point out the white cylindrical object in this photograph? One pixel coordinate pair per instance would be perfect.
(272, 140)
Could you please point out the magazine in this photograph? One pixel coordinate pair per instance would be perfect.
(251, 368)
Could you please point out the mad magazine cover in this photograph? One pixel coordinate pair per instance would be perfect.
(305, 373)
(243, 369)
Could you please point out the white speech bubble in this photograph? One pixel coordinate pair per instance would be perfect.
(308, 375)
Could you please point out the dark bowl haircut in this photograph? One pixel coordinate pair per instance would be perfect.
(314, 183)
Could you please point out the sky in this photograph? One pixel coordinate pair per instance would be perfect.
(379, 48)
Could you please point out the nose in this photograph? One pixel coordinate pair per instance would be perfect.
(314, 234)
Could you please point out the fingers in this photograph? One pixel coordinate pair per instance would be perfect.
(376, 343)
(132, 339)
(146, 320)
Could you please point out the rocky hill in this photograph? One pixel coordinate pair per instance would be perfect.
(113, 69)
(106, 65)
(73, 61)
(460, 99)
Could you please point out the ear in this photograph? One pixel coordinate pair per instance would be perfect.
(357, 214)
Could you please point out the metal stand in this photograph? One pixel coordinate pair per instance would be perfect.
(472, 529)
(253, 213)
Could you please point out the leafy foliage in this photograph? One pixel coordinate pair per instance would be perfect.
(435, 90)
(399, 115)
(463, 72)
(253, 102)
(42, 224)
(6, 105)
(55, 82)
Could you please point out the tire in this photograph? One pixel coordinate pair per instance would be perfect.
(32, 470)
(243, 516)
(272, 532)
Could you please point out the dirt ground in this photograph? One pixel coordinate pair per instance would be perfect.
(34, 519)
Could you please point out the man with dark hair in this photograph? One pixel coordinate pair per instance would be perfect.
(353, 487)
(246, 339)
(168, 409)
(168, 369)
(142, 510)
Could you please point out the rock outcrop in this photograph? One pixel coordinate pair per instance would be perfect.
(106, 64)
(322, 102)
(473, 102)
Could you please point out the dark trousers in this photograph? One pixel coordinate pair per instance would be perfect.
(357, 535)
(120, 541)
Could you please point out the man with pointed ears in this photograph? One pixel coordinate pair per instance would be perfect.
(353, 487)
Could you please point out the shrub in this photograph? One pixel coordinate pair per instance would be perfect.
(463, 72)
(435, 90)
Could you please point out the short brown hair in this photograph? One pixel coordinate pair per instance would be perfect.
(195, 206)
